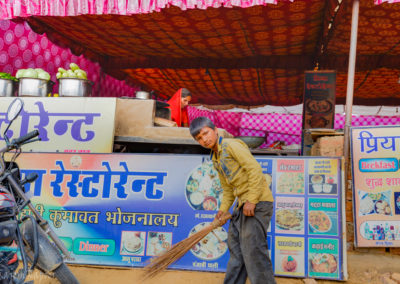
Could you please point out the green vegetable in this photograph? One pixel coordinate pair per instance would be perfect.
(80, 74)
(44, 75)
(33, 73)
(71, 74)
(73, 66)
(7, 76)
(20, 73)
(30, 73)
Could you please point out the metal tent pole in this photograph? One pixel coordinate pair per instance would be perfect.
(350, 86)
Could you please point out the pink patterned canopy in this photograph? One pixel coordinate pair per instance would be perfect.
(378, 2)
(10, 9)
(278, 126)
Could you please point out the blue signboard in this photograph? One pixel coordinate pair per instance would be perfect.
(124, 209)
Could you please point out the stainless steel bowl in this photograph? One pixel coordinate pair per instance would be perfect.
(74, 87)
(252, 141)
(142, 95)
(34, 87)
(7, 88)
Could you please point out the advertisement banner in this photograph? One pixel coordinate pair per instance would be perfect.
(123, 209)
(376, 185)
(319, 99)
(73, 125)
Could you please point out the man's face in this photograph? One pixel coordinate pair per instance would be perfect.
(185, 101)
(207, 137)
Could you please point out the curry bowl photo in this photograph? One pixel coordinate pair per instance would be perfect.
(319, 221)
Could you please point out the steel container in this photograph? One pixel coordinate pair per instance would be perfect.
(252, 141)
(34, 87)
(142, 95)
(7, 88)
(74, 87)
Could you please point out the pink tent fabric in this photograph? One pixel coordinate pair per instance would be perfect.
(276, 126)
(22, 48)
(378, 2)
(24, 8)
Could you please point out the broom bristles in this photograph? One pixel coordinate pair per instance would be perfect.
(161, 262)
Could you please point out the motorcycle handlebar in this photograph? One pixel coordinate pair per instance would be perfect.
(25, 138)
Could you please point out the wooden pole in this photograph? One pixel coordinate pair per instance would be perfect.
(350, 87)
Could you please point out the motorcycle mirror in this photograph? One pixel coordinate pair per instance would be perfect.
(14, 109)
(30, 178)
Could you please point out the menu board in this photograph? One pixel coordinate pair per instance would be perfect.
(376, 185)
(307, 225)
(319, 99)
(123, 209)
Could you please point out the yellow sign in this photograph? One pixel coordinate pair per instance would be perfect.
(289, 256)
(73, 125)
(323, 166)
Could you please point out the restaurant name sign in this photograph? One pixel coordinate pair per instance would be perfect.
(376, 185)
(77, 125)
(123, 209)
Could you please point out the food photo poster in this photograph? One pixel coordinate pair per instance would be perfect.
(376, 185)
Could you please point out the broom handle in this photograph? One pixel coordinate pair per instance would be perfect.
(224, 218)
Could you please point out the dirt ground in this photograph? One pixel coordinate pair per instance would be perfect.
(363, 268)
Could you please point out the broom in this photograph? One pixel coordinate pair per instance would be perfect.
(160, 263)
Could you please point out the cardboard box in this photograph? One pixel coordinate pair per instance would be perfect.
(328, 146)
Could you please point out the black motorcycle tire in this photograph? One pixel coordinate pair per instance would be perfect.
(64, 275)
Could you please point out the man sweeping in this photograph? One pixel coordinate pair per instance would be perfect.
(242, 178)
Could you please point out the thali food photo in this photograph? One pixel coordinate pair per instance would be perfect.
(132, 242)
(319, 221)
(322, 184)
(319, 106)
(323, 262)
(289, 219)
(213, 246)
(290, 182)
(203, 188)
(374, 203)
(158, 242)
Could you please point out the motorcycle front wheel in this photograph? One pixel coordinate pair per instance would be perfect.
(64, 275)
(49, 258)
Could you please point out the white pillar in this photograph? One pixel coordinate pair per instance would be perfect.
(350, 86)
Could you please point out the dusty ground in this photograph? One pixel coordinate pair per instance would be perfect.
(363, 269)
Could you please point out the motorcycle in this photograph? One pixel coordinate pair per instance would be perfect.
(38, 245)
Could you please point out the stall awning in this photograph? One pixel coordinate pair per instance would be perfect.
(244, 56)
(10, 9)
(251, 56)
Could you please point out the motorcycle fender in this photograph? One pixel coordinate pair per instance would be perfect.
(49, 256)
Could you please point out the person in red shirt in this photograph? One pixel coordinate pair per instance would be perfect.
(178, 106)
